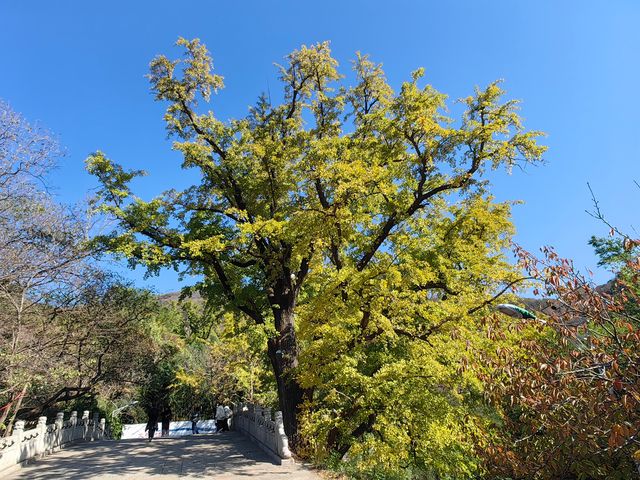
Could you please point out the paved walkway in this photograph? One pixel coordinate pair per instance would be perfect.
(223, 456)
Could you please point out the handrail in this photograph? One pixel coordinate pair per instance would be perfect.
(24, 445)
(256, 422)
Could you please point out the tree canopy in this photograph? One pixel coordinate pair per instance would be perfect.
(355, 224)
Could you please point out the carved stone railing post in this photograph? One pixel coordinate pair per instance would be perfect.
(281, 437)
(245, 418)
(85, 424)
(74, 426)
(232, 420)
(257, 423)
(18, 435)
(40, 443)
(95, 427)
(102, 427)
(18, 429)
(59, 425)
(253, 432)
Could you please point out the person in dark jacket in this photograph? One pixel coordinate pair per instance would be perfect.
(166, 422)
(152, 424)
(195, 416)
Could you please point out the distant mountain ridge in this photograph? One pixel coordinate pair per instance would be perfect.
(555, 309)
(175, 296)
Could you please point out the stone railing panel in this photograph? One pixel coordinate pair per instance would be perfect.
(24, 445)
(256, 423)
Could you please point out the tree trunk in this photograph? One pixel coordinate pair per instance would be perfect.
(18, 399)
(5, 412)
(283, 354)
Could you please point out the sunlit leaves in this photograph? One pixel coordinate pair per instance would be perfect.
(354, 224)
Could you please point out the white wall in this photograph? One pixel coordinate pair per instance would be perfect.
(176, 429)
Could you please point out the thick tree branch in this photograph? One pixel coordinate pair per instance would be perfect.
(440, 285)
(395, 218)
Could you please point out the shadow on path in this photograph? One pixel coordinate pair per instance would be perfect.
(226, 455)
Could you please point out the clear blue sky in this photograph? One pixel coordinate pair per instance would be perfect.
(78, 68)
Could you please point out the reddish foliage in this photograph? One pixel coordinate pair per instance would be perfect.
(571, 405)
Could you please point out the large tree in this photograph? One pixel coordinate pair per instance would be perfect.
(313, 198)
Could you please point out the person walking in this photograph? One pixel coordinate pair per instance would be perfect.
(166, 421)
(195, 416)
(228, 413)
(221, 421)
(152, 424)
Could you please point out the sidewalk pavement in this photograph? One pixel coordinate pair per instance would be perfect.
(223, 456)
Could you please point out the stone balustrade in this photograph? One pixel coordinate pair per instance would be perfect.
(24, 445)
(257, 423)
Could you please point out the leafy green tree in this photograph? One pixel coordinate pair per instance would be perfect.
(202, 356)
(618, 253)
(228, 365)
(326, 206)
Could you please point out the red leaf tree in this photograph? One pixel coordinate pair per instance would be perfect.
(570, 399)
